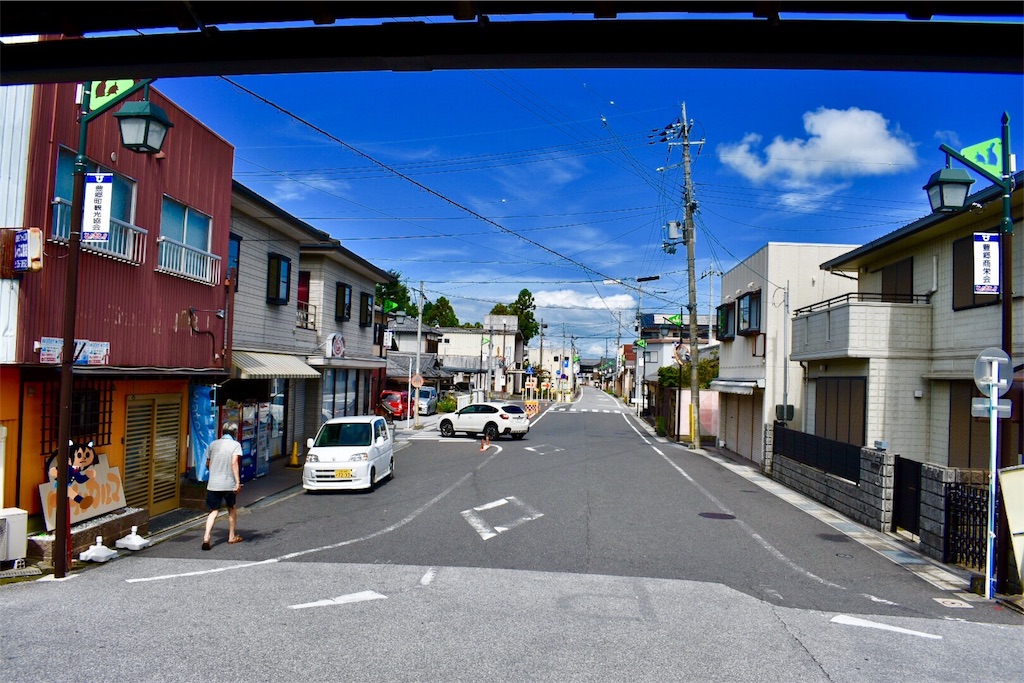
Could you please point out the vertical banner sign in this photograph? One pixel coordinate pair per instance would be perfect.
(96, 221)
(986, 263)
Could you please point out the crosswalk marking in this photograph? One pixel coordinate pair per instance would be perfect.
(565, 409)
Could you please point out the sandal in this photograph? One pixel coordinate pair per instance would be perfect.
(236, 539)
(206, 545)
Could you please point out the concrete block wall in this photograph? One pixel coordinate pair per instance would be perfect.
(869, 503)
(935, 481)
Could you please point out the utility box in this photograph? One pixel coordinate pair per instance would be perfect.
(13, 534)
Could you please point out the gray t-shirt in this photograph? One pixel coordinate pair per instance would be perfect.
(221, 452)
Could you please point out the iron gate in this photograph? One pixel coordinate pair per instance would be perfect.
(967, 525)
(906, 512)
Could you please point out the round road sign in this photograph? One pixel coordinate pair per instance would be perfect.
(417, 380)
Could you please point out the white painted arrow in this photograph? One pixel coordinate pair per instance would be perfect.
(854, 621)
(362, 596)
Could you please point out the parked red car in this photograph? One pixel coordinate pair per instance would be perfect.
(395, 402)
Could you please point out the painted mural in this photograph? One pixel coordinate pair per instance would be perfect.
(94, 488)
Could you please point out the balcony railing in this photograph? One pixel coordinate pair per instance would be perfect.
(306, 315)
(181, 260)
(863, 325)
(877, 297)
(126, 243)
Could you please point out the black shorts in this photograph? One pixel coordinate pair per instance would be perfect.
(215, 498)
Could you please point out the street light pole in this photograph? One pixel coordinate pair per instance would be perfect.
(146, 114)
(937, 188)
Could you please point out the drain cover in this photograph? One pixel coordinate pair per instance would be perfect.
(717, 515)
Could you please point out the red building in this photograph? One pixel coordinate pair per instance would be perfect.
(153, 305)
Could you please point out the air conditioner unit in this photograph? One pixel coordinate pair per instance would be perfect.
(13, 534)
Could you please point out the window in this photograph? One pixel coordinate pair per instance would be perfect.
(92, 409)
(343, 302)
(279, 270)
(650, 356)
(122, 197)
(963, 277)
(184, 225)
(750, 313)
(183, 248)
(898, 282)
(234, 251)
(726, 321)
(365, 309)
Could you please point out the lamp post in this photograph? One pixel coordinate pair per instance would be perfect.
(947, 191)
(143, 129)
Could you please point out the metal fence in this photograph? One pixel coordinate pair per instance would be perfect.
(835, 457)
(966, 525)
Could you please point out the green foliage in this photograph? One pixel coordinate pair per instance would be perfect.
(679, 375)
(659, 426)
(397, 292)
(447, 404)
(439, 313)
(523, 308)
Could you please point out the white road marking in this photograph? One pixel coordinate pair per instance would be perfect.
(342, 600)
(430, 503)
(486, 531)
(428, 578)
(854, 621)
(872, 598)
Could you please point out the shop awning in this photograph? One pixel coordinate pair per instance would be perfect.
(737, 386)
(255, 365)
(348, 363)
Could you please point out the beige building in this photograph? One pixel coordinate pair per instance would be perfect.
(752, 329)
(894, 360)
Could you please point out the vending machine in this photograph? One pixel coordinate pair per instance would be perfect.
(263, 427)
(244, 415)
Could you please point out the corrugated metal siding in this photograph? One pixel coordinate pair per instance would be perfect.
(143, 314)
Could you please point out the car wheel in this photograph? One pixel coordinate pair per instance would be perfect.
(447, 429)
(518, 436)
(373, 477)
(491, 431)
(391, 470)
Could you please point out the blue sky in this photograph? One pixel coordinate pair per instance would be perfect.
(482, 183)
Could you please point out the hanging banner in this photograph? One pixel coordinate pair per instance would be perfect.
(986, 263)
(99, 188)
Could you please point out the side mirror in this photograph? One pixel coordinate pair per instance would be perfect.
(309, 442)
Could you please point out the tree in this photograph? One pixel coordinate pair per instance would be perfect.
(523, 308)
(440, 313)
(398, 293)
(707, 370)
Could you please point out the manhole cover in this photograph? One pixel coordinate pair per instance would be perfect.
(717, 515)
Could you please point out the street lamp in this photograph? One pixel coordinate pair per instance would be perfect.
(947, 191)
(146, 128)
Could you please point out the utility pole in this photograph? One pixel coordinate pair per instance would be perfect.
(689, 204)
(679, 134)
(419, 335)
(540, 373)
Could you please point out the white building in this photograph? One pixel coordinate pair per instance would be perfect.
(755, 372)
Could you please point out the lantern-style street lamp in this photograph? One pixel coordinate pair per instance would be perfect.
(143, 128)
(947, 191)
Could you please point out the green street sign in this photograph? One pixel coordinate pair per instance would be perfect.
(676, 319)
(103, 92)
(987, 154)
(640, 342)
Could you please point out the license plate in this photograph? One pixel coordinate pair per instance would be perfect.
(342, 474)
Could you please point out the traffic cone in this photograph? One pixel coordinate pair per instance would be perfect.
(483, 444)
(294, 460)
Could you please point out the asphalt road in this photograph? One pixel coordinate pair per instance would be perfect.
(588, 551)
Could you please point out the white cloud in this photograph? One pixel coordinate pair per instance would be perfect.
(568, 298)
(293, 190)
(841, 145)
